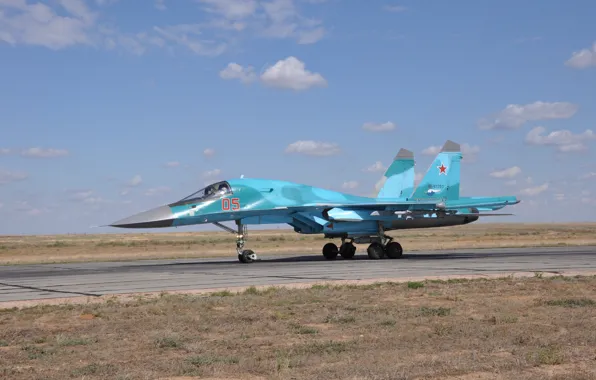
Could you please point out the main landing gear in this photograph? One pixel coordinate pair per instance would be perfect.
(376, 250)
(347, 250)
(381, 246)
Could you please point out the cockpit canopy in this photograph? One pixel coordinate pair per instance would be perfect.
(212, 191)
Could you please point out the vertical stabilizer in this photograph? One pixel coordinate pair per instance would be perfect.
(441, 181)
(399, 177)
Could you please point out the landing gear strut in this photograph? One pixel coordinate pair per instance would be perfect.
(384, 247)
(244, 255)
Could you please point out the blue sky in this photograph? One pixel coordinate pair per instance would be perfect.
(110, 107)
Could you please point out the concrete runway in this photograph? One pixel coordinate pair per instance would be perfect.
(46, 281)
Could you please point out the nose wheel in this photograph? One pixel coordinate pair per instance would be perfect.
(245, 256)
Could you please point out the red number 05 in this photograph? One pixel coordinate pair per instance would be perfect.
(225, 204)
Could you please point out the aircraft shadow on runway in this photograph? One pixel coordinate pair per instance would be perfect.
(406, 257)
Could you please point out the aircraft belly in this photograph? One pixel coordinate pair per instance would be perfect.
(365, 227)
(429, 222)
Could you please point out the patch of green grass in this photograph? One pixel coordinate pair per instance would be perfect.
(223, 293)
(571, 302)
(205, 360)
(34, 352)
(65, 341)
(415, 284)
(167, 342)
(304, 330)
(340, 319)
(319, 348)
(103, 370)
(547, 355)
(434, 311)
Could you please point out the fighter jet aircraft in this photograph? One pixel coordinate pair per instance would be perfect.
(435, 202)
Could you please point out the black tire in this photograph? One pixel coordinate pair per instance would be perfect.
(375, 251)
(245, 256)
(347, 251)
(394, 250)
(330, 251)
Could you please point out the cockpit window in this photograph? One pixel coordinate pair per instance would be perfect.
(215, 190)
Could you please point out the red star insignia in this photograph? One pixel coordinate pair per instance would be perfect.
(442, 169)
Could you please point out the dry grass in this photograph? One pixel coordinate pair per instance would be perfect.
(534, 328)
(104, 247)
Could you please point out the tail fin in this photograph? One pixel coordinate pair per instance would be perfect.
(441, 181)
(399, 176)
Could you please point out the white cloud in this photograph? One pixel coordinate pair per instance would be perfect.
(349, 185)
(290, 73)
(285, 21)
(564, 140)
(231, 9)
(212, 173)
(61, 24)
(506, 173)
(376, 167)
(26, 208)
(5, 151)
(560, 197)
(172, 164)
(87, 197)
(378, 127)
(160, 190)
(44, 153)
(235, 71)
(380, 184)
(209, 152)
(39, 24)
(190, 36)
(278, 19)
(588, 175)
(160, 5)
(313, 148)
(395, 8)
(512, 182)
(534, 190)
(515, 115)
(135, 181)
(583, 59)
(7, 177)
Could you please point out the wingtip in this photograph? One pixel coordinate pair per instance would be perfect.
(451, 146)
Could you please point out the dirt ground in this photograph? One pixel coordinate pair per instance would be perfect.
(510, 328)
(108, 247)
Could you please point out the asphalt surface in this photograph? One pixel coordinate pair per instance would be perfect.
(43, 281)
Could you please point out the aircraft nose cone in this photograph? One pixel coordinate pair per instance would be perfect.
(157, 217)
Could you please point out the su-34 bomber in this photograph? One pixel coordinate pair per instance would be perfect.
(435, 202)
